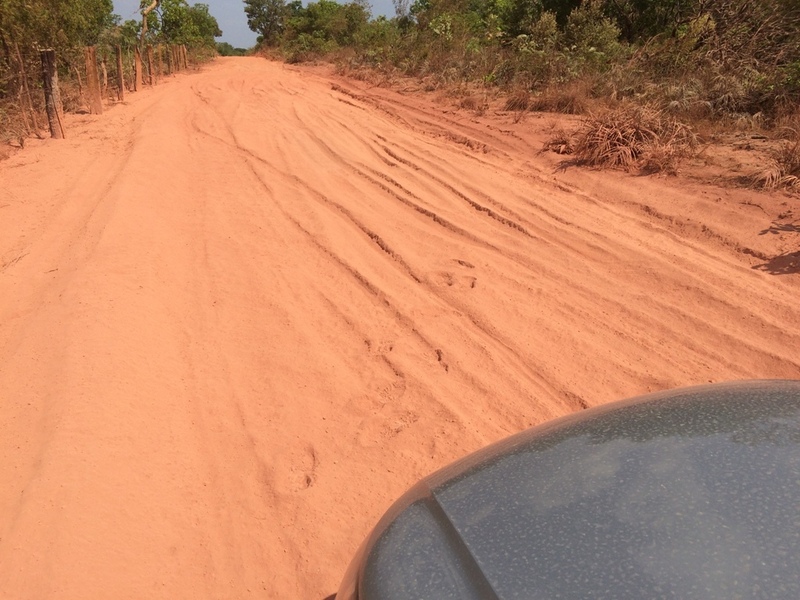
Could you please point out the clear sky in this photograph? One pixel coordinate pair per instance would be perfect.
(231, 18)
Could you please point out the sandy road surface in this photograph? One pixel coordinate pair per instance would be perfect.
(242, 313)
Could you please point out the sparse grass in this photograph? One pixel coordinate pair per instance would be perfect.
(783, 171)
(561, 142)
(573, 98)
(15, 125)
(474, 102)
(787, 124)
(518, 100)
(640, 138)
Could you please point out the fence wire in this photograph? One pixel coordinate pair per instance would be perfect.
(22, 97)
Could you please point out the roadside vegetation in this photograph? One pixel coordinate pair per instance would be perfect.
(647, 74)
(68, 26)
(226, 49)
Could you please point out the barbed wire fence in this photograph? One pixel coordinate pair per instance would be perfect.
(38, 85)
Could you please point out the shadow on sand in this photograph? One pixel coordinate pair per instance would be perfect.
(783, 264)
(787, 263)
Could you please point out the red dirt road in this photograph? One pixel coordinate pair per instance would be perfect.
(242, 313)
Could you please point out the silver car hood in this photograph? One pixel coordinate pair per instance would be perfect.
(693, 493)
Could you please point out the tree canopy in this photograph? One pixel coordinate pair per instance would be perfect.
(69, 24)
(266, 18)
(54, 23)
(190, 25)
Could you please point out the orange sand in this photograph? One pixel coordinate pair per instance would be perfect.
(243, 312)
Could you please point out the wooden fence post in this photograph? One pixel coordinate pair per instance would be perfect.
(120, 75)
(52, 95)
(185, 53)
(150, 64)
(160, 54)
(137, 69)
(93, 82)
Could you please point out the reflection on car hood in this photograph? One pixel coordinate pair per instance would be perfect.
(693, 493)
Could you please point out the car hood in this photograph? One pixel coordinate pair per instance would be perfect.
(692, 493)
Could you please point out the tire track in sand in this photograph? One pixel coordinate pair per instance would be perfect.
(285, 297)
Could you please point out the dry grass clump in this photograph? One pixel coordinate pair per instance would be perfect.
(631, 137)
(783, 171)
(471, 102)
(570, 99)
(561, 142)
(474, 102)
(787, 124)
(518, 100)
(16, 125)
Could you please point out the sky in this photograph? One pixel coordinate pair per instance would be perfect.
(231, 18)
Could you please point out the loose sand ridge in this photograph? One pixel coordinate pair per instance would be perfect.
(242, 313)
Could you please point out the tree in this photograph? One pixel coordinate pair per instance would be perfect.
(176, 23)
(328, 20)
(266, 17)
(55, 23)
(643, 19)
(206, 25)
(225, 49)
(147, 7)
(190, 25)
(124, 34)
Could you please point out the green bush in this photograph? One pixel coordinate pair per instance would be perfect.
(591, 37)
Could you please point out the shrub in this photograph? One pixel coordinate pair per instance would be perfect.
(592, 37)
(306, 47)
(633, 137)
